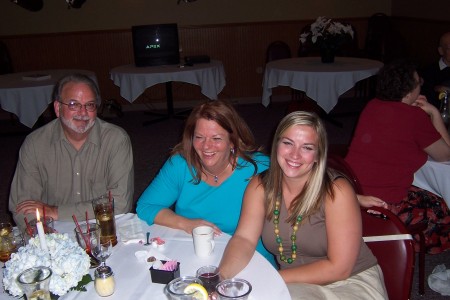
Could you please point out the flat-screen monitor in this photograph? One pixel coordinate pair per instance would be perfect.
(155, 45)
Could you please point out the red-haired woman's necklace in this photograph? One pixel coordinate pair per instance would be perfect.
(216, 177)
(279, 240)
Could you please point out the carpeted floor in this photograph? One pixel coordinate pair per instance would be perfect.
(151, 145)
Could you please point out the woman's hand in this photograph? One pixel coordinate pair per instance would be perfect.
(371, 201)
(190, 224)
(422, 102)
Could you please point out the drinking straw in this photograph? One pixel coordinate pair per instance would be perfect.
(30, 233)
(111, 203)
(43, 216)
(87, 223)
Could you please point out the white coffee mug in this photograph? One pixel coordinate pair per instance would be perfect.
(203, 240)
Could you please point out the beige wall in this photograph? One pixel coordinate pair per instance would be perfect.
(122, 14)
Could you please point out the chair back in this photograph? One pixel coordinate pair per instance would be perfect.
(383, 42)
(277, 50)
(339, 164)
(5, 60)
(395, 257)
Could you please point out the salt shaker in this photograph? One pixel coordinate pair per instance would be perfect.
(104, 281)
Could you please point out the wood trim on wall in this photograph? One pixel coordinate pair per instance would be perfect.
(241, 48)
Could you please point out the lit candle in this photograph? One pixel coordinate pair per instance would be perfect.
(41, 233)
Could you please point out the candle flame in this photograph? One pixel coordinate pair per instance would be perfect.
(37, 215)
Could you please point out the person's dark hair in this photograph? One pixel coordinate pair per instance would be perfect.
(395, 80)
(77, 78)
(224, 114)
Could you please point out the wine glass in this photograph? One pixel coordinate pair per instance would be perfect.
(102, 252)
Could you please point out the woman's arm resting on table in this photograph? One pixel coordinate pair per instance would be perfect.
(242, 245)
(169, 218)
(343, 219)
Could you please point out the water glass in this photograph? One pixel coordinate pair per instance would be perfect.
(234, 289)
(175, 288)
(104, 214)
(87, 236)
(47, 224)
(35, 282)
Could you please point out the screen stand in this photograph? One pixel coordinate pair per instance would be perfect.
(170, 110)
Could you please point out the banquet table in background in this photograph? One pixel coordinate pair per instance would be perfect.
(133, 81)
(434, 177)
(133, 280)
(322, 82)
(27, 98)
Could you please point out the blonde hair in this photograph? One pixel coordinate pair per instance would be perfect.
(319, 183)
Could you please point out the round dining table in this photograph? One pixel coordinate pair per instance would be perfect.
(434, 177)
(322, 82)
(132, 275)
(28, 94)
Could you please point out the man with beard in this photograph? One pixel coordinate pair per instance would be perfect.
(73, 159)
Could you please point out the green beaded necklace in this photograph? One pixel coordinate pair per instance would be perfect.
(279, 240)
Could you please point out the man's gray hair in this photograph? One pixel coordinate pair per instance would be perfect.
(77, 78)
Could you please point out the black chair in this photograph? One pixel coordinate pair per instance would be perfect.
(277, 50)
(280, 50)
(383, 42)
(5, 60)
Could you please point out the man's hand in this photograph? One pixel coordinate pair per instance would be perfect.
(30, 206)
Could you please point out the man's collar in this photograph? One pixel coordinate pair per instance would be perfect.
(442, 64)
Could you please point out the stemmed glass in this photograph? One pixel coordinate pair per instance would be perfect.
(102, 252)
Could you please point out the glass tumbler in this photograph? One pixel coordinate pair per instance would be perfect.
(233, 289)
(35, 282)
(175, 288)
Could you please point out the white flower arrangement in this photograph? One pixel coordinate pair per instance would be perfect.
(327, 33)
(67, 260)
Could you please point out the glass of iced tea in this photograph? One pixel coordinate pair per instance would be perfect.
(104, 214)
(8, 244)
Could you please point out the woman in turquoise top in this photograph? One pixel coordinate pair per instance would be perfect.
(206, 175)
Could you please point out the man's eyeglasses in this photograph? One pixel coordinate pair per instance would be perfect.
(76, 106)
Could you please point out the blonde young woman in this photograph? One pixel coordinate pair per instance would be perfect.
(309, 218)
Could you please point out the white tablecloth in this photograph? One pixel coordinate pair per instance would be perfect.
(434, 177)
(322, 82)
(28, 99)
(133, 279)
(133, 81)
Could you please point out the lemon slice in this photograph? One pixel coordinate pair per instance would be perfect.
(442, 95)
(199, 291)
